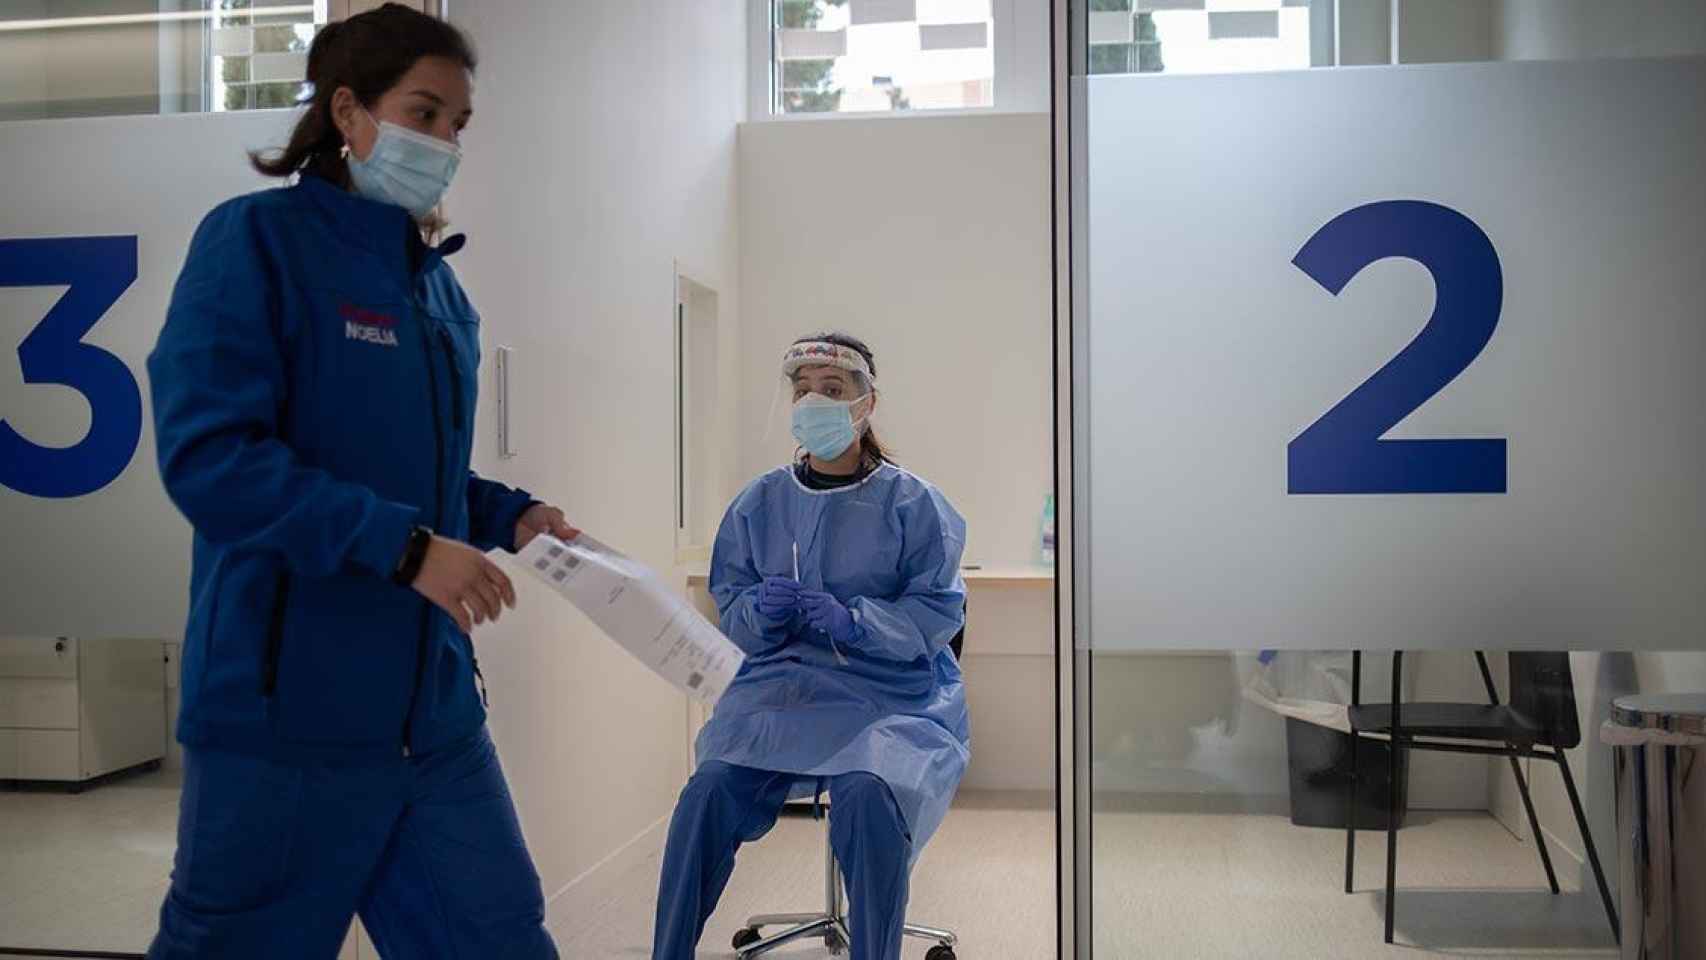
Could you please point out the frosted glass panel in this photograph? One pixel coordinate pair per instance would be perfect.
(1399, 359)
(1237, 495)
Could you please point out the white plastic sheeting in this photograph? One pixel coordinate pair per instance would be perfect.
(1314, 686)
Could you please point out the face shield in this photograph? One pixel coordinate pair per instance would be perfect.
(829, 390)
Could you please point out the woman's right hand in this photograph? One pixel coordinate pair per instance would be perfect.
(778, 598)
(462, 582)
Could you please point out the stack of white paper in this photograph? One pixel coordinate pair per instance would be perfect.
(630, 604)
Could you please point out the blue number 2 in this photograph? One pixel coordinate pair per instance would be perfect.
(98, 270)
(1343, 451)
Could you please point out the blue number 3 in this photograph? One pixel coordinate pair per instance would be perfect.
(1343, 451)
(97, 270)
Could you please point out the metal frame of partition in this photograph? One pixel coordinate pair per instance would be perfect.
(1070, 763)
(1069, 53)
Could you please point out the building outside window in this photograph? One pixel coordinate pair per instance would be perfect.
(872, 56)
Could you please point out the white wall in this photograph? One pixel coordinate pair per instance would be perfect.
(929, 238)
(602, 152)
(1574, 29)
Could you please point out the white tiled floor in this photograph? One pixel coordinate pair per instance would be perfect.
(1193, 885)
(89, 871)
(988, 875)
(1170, 886)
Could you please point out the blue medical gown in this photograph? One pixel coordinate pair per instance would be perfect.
(889, 548)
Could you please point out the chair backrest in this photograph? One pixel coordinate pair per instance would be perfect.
(959, 640)
(1544, 691)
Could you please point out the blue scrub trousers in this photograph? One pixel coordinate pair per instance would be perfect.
(724, 806)
(275, 859)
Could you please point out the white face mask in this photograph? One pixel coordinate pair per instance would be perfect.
(405, 168)
(825, 427)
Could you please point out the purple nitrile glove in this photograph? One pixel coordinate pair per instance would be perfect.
(829, 615)
(778, 598)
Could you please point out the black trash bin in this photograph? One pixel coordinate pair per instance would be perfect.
(1320, 760)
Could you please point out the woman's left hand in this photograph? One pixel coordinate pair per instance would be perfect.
(543, 518)
(828, 614)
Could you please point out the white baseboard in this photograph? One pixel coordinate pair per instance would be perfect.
(586, 892)
(1567, 846)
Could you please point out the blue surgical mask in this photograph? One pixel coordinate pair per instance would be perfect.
(405, 168)
(825, 427)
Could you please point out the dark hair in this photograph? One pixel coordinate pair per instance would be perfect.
(368, 53)
(869, 445)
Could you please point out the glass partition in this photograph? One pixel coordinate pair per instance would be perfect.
(1375, 359)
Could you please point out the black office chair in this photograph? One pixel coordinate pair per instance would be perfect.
(831, 924)
(1540, 723)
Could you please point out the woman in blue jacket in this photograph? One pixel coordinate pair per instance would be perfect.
(839, 576)
(314, 392)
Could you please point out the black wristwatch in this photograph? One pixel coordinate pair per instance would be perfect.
(414, 555)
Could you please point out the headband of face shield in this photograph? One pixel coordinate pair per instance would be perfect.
(823, 353)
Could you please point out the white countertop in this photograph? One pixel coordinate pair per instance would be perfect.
(697, 576)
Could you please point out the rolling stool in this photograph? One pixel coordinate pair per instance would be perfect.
(831, 924)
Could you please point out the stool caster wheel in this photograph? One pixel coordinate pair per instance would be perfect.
(746, 938)
(836, 945)
(940, 953)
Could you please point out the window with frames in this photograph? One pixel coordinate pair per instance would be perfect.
(862, 56)
(258, 53)
(1203, 36)
(91, 58)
